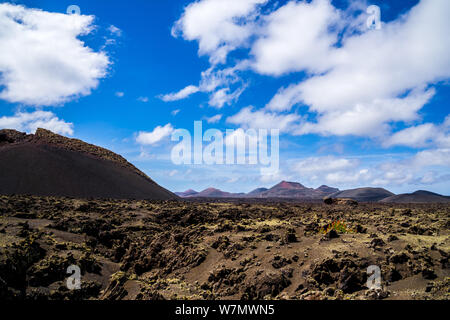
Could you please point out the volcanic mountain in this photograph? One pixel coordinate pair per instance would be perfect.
(47, 164)
(187, 193)
(420, 196)
(363, 194)
(257, 192)
(216, 193)
(295, 190)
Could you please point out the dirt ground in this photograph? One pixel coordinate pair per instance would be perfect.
(221, 250)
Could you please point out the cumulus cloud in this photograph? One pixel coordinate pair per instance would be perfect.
(45, 62)
(316, 165)
(332, 170)
(29, 122)
(379, 75)
(261, 119)
(182, 94)
(418, 136)
(424, 135)
(219, 26)
(368, 119)
(356, 82)
(296, 37)
(355, 177)
(432, 157)
(419, 169)
(155, 136)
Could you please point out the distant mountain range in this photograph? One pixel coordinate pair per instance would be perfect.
(284, 189)
(297, 191)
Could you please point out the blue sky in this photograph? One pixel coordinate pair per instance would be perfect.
(355, 106)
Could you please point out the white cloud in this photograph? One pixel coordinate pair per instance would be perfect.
(223, 97)
(274, 178)
(262, 119)
(45, 62)
(29, 122)
(219, 26)
(368, 119)
(120, 94)
(155, 136)
(427, 134)
(175, 112)
(315, 165)
(425, 167)
(376, 77)
(331, 170)
(214, 119)
(295, 37)
(418, 136)
(357, 81)
(115, 31)
(182, 94)
(356, 177)
(432, 157)
(143, 99)
(213, 78)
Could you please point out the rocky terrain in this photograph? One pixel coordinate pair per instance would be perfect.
(130, 249)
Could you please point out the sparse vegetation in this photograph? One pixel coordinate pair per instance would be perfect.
(338, 226)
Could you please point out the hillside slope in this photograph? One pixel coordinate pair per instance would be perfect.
(363, 194)
(47, 164)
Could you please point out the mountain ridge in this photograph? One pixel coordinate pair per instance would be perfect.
(284, 189)
(295, 190)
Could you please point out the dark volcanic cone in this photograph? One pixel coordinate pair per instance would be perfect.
(47, 164)
(420, 196)
(363, 194)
